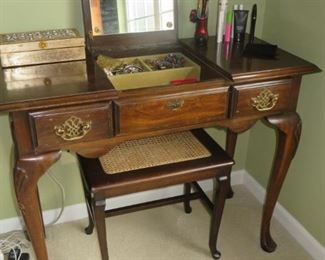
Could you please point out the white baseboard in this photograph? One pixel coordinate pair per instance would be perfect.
(79, 211)
(70, 213)
(241, 177)
(302, 236)
(10, 224)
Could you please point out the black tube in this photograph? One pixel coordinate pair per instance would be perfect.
(240, 25)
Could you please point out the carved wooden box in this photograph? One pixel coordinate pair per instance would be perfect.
(45, 74)
(40, 47)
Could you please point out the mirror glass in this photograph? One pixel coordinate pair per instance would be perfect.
(131, 16)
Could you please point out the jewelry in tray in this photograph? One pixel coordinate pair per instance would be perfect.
(169, 61)
(113, 66)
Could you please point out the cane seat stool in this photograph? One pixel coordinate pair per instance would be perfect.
(155, 162)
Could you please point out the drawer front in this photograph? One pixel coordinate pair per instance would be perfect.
(57, 128)
(262, 99)
(163, 112)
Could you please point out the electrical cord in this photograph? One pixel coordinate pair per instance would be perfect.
(56, 181)
(14, 244)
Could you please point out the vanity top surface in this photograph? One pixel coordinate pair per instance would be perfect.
(229, 60)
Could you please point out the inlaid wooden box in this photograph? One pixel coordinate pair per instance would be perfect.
(45, 74)
(40, 47)
(190, 71)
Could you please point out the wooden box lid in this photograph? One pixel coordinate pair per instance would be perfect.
(40, 47)
(40, 40)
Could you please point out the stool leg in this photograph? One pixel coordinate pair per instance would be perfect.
(99, 212)
(220, 197)
(230, 148)
(89, 230)
(187, 192)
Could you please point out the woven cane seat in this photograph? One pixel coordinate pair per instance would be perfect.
(153, 151)
(153, 163)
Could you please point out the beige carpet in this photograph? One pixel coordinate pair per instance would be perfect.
(168, 233)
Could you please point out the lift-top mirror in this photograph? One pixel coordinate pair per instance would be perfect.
(108, 18)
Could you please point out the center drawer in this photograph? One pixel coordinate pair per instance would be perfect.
(57, 128)
(167, 111)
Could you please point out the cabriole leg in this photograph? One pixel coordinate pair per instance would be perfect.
(26, 175)
(289, 128)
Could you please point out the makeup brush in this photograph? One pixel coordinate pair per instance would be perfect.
(253, 24)
(260, 50)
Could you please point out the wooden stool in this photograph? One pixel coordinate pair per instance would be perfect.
(139, 165)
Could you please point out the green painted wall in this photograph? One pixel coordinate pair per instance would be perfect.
(297, 26)
(31, 15)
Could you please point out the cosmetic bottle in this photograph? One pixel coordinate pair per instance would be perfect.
(232, 22)
(228, 28)
(221, 17)
(201, 31)
(240, 22)
(199, 16)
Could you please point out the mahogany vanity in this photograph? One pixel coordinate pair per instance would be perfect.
(233, 93)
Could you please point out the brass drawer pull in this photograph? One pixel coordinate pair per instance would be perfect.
(175, 104)
(265, 101)
(72, 129)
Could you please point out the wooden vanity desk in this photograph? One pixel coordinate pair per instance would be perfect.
(233, 93)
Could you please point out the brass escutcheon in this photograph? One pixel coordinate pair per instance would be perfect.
(265, 101)
(175, 104)
(72, 129)
(42, 44)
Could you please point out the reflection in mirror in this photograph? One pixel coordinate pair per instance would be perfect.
(130, 16)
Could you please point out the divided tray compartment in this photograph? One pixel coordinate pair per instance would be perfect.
(150, 77)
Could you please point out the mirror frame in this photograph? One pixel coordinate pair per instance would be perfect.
(111, 40)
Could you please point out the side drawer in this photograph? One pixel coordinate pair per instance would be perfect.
(161, 112)
(262, 98)
(57, 128)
